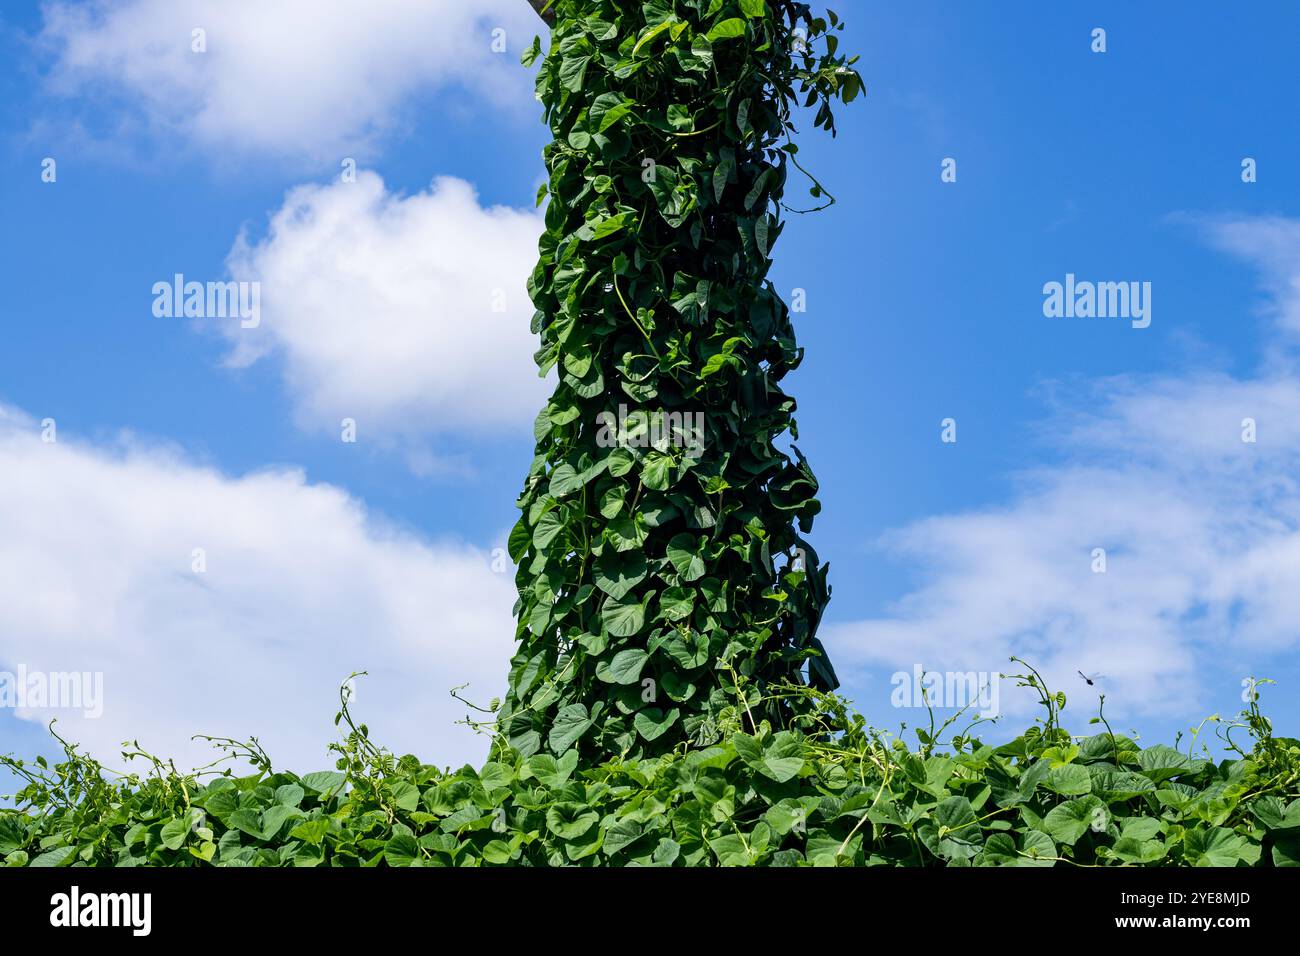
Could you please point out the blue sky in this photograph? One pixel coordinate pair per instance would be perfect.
(924, 302)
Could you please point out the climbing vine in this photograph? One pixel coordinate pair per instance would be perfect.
(664, 581)
(667, 595)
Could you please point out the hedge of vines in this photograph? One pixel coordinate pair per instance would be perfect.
(842, 795)
(660, 548)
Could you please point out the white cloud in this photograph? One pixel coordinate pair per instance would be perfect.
(302, 587)
(1272, 244)
(289, 77)
(1201, 530)
(384, 308)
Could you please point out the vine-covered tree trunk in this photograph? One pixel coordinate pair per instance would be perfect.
(545, 9)
(665, 588)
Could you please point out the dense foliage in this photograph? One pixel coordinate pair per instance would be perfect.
(659, 558)
(669, 703)
(786, 798)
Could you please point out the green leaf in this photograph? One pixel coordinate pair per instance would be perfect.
(565, 480)
(324, 782)
(622, 834)
(1214, 847)
(570, 724)
(531, 54)
(727, 30)
(688, 650)
(1270, 812)
(551, 772)
(608, 109)
(621, 461)
(656, 472)
(1286, 851)
(609, 227)
(289, 795)
(617, 573)
(721, 174)
(402, 850)
(623, 620)
(625, 667)
(1140, 829)
(573, 72)
(174, 833)
(680, 119)
(587, 845)
(406, 795)
(666, 852)
(676, 603)
(205, 851)
(1069, 780)
(955, 813)
(1068, 821)
(956, 844)
(757, 190)
(1132, 850)
(653, 722)
(247, 820)
(738, 849)
(60, 856)
(496, 776)
(1000, 850)
(686, 554)
(1120, 785)
(311, 831)
(763, 237)
(548, 528)
(1036, 849)
(1161, 763)
(274, 819)
(570, 820)
(612, 501)
(783, 758)
(650, 35)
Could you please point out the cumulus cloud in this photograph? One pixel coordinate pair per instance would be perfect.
(1200, 528)
(302, 586)
(408, 314)
(292, 77)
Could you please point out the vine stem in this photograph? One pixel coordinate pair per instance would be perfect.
(648, 341)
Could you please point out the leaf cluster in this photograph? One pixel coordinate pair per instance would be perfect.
(834, 793)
